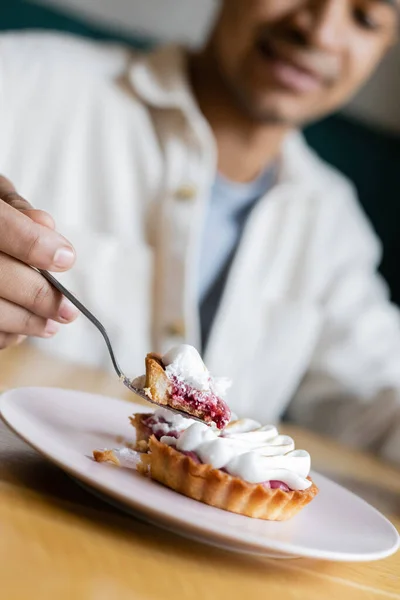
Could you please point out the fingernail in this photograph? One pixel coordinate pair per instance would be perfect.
(67, 311)
(51, 328)
(63, 258)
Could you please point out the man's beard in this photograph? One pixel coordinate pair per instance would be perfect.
(259, 115)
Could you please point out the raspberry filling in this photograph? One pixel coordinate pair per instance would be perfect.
(276, 485)
(204, 404)
(155, 427)
(191, 455)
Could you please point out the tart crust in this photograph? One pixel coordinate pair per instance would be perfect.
(157, 385)
(143, 432)
(219, 489)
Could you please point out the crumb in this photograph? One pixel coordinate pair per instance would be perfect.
(106, 456)
(144, 466)
(142, 446)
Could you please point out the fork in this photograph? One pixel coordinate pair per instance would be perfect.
(121, 375)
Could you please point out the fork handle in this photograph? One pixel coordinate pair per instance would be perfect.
(55, 283)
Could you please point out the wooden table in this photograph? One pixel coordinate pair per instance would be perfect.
(59, 542)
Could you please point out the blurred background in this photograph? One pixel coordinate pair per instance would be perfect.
(363, 141)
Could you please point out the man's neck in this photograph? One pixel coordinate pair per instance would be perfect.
(245, 146)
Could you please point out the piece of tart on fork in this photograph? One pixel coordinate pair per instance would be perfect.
(179, 380)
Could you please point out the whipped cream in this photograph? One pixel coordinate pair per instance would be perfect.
(245, 449)
(185, 363)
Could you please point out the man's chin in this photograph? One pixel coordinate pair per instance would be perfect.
(276, 112)
(269, 115)
(272, 117)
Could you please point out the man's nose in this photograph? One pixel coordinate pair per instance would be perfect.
(322, 23)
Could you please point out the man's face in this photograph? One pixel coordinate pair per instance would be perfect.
(291, 61)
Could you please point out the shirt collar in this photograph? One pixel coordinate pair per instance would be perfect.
(160, 78)
(300, 165)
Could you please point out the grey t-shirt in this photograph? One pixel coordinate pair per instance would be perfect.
(228, 211)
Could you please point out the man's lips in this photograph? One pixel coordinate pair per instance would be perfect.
(290, 70)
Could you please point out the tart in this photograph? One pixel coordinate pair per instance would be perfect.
(186, 475)
(253, 472)
(239, 466)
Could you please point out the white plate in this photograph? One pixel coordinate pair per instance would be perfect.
(66, 426)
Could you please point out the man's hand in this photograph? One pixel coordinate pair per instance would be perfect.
(29, 306)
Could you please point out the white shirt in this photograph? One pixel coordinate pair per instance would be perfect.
(226, 216)
(113, 145)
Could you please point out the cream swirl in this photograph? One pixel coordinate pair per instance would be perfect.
(245, 449)
(186, 364)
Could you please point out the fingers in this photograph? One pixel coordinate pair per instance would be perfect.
(29, 306)
(32, 243)
(25, 287)
(9, 195)
(41, 217)
(23, 233)
(17, 320)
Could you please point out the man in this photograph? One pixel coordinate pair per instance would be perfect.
(198, 214)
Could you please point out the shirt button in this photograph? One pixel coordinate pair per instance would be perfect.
(186, 192)
(176, 329)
